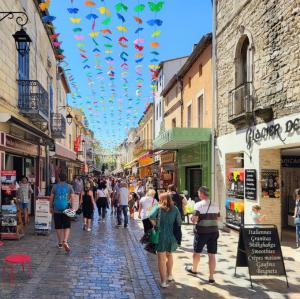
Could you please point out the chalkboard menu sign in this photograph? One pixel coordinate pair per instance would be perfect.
(259, 249)
(250, 184)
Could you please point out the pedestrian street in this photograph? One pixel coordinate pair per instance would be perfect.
(109, 262)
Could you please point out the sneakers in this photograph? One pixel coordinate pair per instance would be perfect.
(89, 229)
(170, 278)
(103, 220)
(164, 285)
(66, 247)
(60, 246)
(189, 269)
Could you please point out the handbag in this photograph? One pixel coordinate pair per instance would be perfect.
(155, 232)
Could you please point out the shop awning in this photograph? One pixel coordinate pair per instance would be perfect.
(64, 153)
(178, 138)
(130, 164)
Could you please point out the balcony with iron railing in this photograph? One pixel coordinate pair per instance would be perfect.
(33, 100)
(142, 146)
(58, 126)
(241, 104)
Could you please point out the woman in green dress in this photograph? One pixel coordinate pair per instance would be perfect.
(164, 216)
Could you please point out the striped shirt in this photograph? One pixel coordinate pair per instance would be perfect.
(208, 217)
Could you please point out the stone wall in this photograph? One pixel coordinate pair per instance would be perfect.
(273, 26)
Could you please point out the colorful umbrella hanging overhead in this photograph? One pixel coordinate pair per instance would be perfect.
(115, 40)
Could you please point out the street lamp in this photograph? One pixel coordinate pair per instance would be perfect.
(22, 39)
(69, 116)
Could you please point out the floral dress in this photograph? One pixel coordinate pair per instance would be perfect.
(167, 241)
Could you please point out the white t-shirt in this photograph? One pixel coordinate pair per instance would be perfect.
(124, 193)
(147, 203)
(102, 193)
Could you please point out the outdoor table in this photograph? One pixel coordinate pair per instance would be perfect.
(17, 259)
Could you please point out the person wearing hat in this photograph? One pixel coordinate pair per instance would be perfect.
(206, 216)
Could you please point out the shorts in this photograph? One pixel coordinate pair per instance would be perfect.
(61, 221)
(210, 240)
(24, 205)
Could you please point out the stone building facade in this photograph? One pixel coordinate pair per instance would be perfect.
(257, 93)
(35, 139)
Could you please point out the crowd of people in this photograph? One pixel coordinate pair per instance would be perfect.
(161, 214)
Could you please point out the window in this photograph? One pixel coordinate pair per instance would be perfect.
(23, 63)
(200, 111)
(190, 82)
(242, 61)
(51, 95)
(200, 70)
(174, 123)
(240, 99)
(189, 116)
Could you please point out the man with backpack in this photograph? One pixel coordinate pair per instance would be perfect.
(61, 199)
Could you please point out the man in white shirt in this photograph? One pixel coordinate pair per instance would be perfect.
(123, 198)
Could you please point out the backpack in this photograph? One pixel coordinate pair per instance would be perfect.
(61, 199)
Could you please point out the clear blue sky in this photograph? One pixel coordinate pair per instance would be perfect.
(110, 109)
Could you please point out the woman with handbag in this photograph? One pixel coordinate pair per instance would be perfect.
(163, 217)
(297, 217)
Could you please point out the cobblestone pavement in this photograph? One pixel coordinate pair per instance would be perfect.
(109, 262)
(105, 263)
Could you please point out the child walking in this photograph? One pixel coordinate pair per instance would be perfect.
(88, 205)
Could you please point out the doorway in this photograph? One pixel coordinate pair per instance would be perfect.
(193, 181)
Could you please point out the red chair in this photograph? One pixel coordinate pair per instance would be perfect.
(22, 259)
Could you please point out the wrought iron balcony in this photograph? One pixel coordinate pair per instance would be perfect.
(241, 104)
(142, 146)
(58, 125)
(33, 100)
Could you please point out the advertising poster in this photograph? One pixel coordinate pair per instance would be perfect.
(270, 183)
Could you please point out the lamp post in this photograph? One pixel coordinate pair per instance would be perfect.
(22, 39)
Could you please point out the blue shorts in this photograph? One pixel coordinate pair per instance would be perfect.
(24, 205)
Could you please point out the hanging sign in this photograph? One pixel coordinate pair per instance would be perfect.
(259, 249)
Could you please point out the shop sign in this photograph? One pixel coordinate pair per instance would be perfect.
(259, 249)
(167, 158)
(250, 184)
(18, 144)
(290, 161)
(270, 183)
(254, 135)
(146, 161)
(8, 181)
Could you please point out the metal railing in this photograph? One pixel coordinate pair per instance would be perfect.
(33, 99)
(58, 125)
(240, 100)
